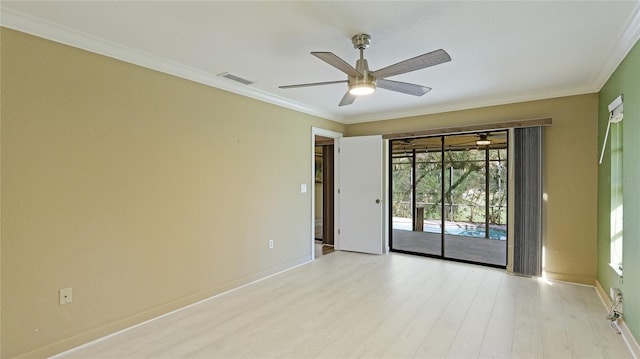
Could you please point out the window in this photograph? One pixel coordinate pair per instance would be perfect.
(616, 181)
(617, 184)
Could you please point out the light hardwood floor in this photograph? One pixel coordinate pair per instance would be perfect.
(348, 305)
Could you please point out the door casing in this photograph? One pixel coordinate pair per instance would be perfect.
(335, 135)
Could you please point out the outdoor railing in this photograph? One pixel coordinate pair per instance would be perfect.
(452, 211)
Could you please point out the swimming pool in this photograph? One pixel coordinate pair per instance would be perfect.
(469, 231)
(479, 232)
(459, 229)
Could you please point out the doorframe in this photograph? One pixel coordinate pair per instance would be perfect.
(336, 200)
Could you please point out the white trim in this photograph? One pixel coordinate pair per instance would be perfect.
(386, 151)
(629, 339)
(326, 133)
(619, 49)
(65, 353)
(627, 336)
(18, 21)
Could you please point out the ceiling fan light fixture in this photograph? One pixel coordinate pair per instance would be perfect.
(483, 140)
(363, 82)
(362, 88)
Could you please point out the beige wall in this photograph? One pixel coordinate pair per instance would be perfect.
(141, 191)
(122, 182)
(570, 172)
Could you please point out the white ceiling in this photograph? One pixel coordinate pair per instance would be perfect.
(502, 52)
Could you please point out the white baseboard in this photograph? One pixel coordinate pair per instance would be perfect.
(627, 336)
(285, 268)
(629, 339)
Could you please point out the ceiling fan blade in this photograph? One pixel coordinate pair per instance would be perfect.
(410, 89)
(416, 63)
(313, 84)
(337, 62)
(347, 99)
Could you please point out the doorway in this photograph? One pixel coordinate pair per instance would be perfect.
(324, 186)
(449, 197)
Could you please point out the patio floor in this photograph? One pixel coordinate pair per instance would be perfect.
(489, 251)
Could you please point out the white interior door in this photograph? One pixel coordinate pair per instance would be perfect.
(360, 194)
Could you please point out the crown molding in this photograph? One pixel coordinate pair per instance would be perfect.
(619, 48)
(38, 27)
(471, 104)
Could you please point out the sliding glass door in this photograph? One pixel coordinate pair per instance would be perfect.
(416, 205)
(449, 197)
(428, 211)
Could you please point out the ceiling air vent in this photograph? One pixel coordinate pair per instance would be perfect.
(235, 78)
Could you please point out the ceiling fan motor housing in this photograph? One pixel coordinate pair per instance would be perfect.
(361, 41)
(366, 81)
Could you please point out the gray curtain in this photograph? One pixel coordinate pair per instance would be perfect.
(527, 241)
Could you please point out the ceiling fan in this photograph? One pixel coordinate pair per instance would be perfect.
(483, 139)
(361, 81)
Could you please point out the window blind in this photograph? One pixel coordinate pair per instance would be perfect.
(527, 241)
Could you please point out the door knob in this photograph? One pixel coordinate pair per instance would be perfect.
(378, 201)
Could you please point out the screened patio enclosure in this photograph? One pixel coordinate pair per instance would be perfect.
(449, 197)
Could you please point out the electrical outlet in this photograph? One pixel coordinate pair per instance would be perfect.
(66, 296)
(271, 244)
